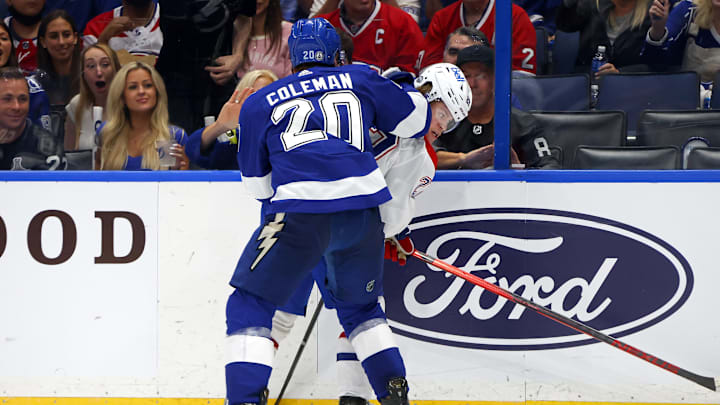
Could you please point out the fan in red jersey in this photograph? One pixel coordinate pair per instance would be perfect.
(481, 15)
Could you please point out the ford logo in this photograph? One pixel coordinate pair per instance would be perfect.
(609, 275)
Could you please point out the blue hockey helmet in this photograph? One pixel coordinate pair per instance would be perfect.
(313, 40)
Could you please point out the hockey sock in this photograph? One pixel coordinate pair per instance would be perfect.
(351, 378)
(381, 368)
(245, 382)
(249, 347)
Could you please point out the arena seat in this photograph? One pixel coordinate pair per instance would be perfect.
(564, 52)
(627, 158)
(79, 159)
(566, 130)
(541, 50)
(703, 159)
(552, 93)
(675, 127)
(637, 92)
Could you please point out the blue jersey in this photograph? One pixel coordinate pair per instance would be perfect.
(304, 140)
(39, 111)
(685, 44)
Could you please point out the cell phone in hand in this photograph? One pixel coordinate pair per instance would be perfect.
(655, 17)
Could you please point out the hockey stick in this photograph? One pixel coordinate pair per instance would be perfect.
(707, 382)
(300, 349)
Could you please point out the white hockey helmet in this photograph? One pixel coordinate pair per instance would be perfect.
(449, 86)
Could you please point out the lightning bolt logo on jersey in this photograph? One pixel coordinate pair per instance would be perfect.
(267, 237)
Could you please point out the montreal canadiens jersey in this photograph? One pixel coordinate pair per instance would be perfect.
(25, 50)
(409, 169)
(145, 40)
(452, 17)
(304, 143)
(389, 37)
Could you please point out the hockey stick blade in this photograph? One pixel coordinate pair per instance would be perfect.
(707, 382)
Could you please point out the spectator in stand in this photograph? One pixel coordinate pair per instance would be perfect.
(24, 23)
(201, 55)
(412, 7)
(39, 103)
(480, 14)
(618, 25)
(433, 6)
(267, 47)
(383, 36)
(470, 145)
(215, 146)
(99, 65)
(132, 30)
(541, 12)
(23, 144)
(137, 119)
(59, 57)
(685, 38)
(82, 10)
(460, 39)
(7, 49)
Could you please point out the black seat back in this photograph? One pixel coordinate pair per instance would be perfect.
(627, 158)
(567, 130)
(675, 127)
(552, 93)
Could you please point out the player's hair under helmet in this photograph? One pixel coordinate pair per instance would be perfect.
(313, 41)
(449, 86)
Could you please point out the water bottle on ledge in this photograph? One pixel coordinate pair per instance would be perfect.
(598, 60)
(594, 93)
(97, 113)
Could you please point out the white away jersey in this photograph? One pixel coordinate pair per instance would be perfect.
(304, 141)
(408, 170)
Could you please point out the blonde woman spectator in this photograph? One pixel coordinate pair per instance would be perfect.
(137, 118)
(267, 47)
(619, 25)
(203, 146)
(685, 37)
(99, 65)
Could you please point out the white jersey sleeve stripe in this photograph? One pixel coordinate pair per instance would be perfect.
(414, 123)
(89, 40)
(249, 349)
(331, 190)
(259, 187)
(373, 340)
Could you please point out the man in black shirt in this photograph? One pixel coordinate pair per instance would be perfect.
(23, 145)
(470, 145)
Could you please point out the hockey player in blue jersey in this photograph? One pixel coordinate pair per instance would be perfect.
(408, 165)
(305, 151)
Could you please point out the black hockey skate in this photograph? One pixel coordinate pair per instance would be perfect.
(347, 400)
(397, 389)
